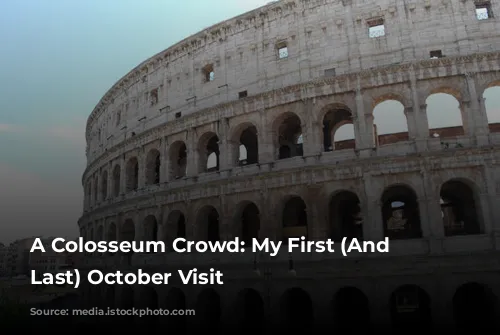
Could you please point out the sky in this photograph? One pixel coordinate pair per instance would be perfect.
(58, 58)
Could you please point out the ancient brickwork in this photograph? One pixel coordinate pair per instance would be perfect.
(221, 134)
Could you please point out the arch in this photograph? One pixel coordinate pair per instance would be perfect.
(111, 233)
(153, 167)
(176, 300)
(245, 144)
(104, 185)
(208, 224)
(401, 213)
(208, 310)
(132, 174)
(351, 311)
(491, 97)
(411, 309)
(346, 219)
(248, 219)
(149, 298)
(390, 123)
(296, 311)
(116, 180)
(249, 312)
(294, 221)
(474, 308)
(127, 232)
(336, 134)
(91, 234)
(110, 296)
(459, 208)
(175, 226)
(209, 154)
(288, 135)
(126, 301)
(100, 233)
(150, 226)
(177, 155)
(445, 122)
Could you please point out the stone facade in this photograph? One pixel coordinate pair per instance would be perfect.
(278, 82)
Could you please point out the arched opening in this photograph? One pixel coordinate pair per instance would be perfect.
(351, 311)
(346, 219)
(111, 234)
(492, 105)
(475, 308)
(209, 153)
(296, 311)
(249, 312)
(390, 124)
(294, 220)
(178, 160)
(246, 145)
(104, 185)
(126, 301)
(100, 234)
(338, 132)
(132, 174)
(411, 309)
(110, 296)
(150, 226)
(208, 310)
(127, 233)
(445, 117)
(458, 209)
(250, 223)
(116, 180)
(96, 190)
(289, 136)
(400, 213)
(176, 227)
(153, 166)
(149, 300)
(208, 224)
(176, 300)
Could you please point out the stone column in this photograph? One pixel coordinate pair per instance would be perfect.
(141, 159)
(110, 181)
(477, 118)
(192, 154)
(165, 161)
(373, 227)
(266, 135)
(123, 175)
(365, 136)
(224, 148)
(418, 117)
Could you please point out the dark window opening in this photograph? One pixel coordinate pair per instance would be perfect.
(243, 94)
(178, 115)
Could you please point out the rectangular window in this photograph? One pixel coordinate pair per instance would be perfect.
(282, 50)
(330, 73)
(376, 28)
(243, 94)
(178, 115)
(436, 54)
(209, 73)
(483, 10)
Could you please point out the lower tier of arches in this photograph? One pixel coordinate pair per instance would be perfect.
(424, 302)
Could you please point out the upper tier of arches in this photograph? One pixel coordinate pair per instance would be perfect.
(301, 45)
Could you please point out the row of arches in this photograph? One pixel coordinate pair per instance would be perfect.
(400, 212)
(474, 308)
(338, 133)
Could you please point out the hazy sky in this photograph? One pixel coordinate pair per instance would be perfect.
(58, 57)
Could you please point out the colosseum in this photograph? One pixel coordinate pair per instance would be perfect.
(309, 118)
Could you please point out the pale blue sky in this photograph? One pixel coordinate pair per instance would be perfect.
(57, 59)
